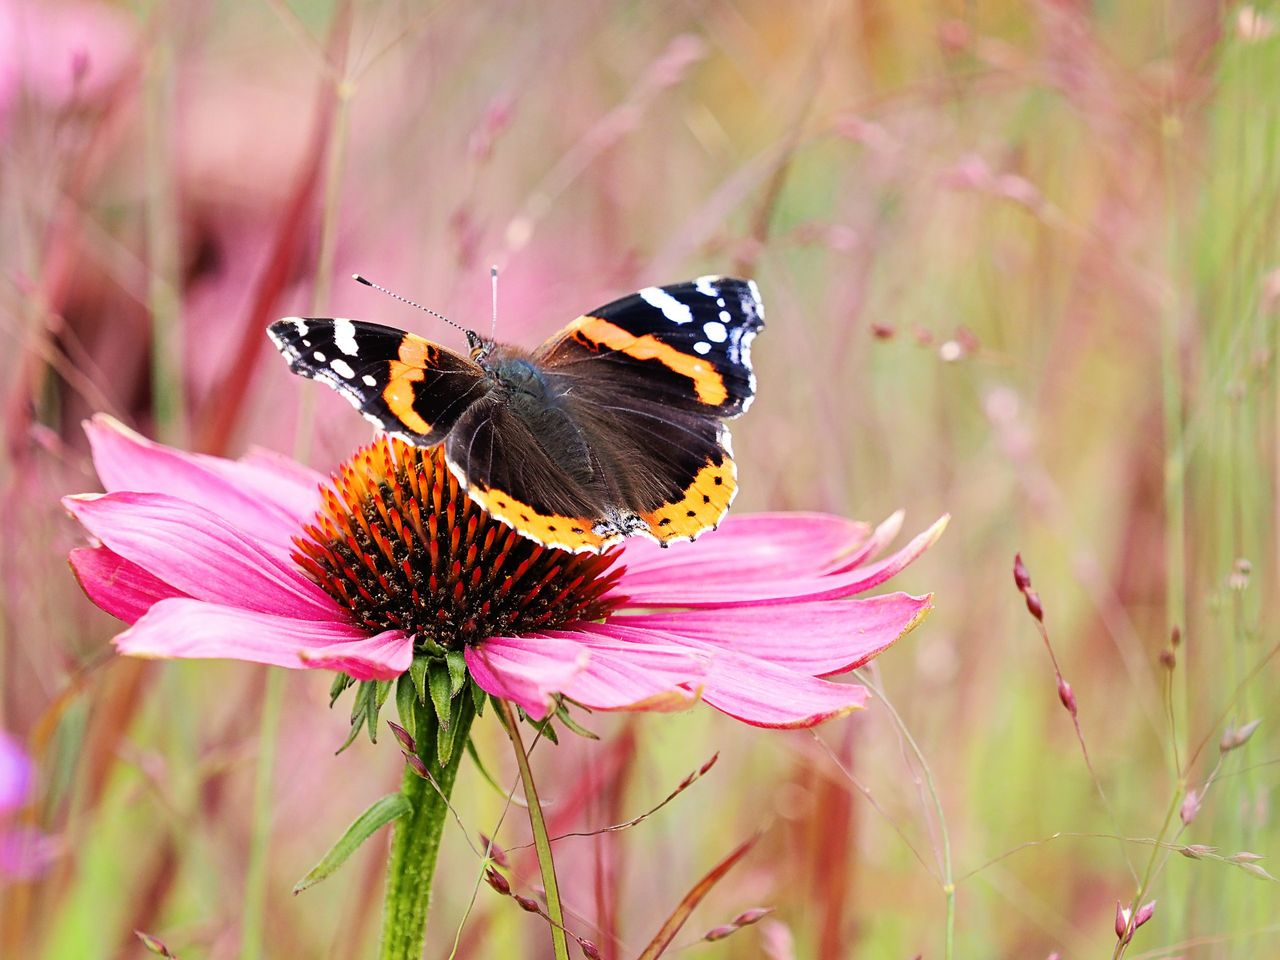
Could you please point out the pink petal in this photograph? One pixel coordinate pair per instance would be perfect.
(624, 674)
(195, 629)
(380, 657)
(765, 695)
(815, 638)
(265, 502)
(791, 578)
(748, 549)
(121, 588)
(528, 671)
(199, 554)
(883, 535)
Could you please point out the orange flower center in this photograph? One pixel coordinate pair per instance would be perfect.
(400, 544)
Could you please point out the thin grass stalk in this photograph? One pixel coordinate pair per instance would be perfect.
(255, 884)
(948, 878)
(541, 839)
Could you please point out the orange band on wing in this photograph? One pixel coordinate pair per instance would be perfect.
(415, 353)
(701, 508)
(567, 533)
(708, 383)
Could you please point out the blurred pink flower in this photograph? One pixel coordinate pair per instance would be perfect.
(24, 851)
(207, 557)
(60, 51)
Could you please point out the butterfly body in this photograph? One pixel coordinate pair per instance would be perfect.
(611, 428)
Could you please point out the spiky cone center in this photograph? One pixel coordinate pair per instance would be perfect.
(400, 544)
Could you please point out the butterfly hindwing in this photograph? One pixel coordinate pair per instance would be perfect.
(547, 485)
(402, 383)
(687, 345)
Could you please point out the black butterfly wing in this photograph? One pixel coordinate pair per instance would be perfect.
(687, 345)
(407, 386)
(670, 472)
(535, 473)
(649, 378)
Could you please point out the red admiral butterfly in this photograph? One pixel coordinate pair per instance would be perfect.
(611, 428)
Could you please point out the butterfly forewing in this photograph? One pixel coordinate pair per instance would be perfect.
(404, 384)
(686, 344)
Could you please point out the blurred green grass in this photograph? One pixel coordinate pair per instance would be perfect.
(1090, 191)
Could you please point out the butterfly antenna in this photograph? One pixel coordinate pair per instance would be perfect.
(493, 276)
(369, 283)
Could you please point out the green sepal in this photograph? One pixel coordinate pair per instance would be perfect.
(340, 683)
(429, 645)
(406, 704)
(418, 671)
(446, 735)
(457, 663)
(359, 711)
(378, 697)
(479, 698)
(438, 685)
(377, 816)
(544, 727)
(562, 713)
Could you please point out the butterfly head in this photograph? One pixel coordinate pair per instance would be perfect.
(480, 347)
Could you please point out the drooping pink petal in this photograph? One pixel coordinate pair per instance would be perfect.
(199, 554)
(622, 674)
(381, 657)
(748, 549)
(121, 588)
(528, 671)
(817, 638)
(764, 694)
(792, 579)
(266, 503)
(194, 629)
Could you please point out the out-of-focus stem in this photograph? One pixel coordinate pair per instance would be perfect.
(163, 298)
(542, 842)
(255, 885)
(948, 879)
(328, 244)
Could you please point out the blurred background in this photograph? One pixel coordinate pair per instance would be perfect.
(1021, 264)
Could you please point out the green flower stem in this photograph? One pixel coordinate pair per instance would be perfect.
(416, 842)
(541, 841)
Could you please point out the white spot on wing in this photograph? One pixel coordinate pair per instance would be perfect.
(715, 331)
(702, 347)
(300, 325)
(344, 335)
(342, 368)
(319, 356)
(369, 381)
(706, 286)
(671, 308)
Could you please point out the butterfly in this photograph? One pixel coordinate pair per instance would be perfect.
(611, 428)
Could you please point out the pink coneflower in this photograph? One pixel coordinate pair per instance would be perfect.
(259, 559)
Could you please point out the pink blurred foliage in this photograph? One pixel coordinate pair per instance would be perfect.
(25, 852)
(60, 52)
